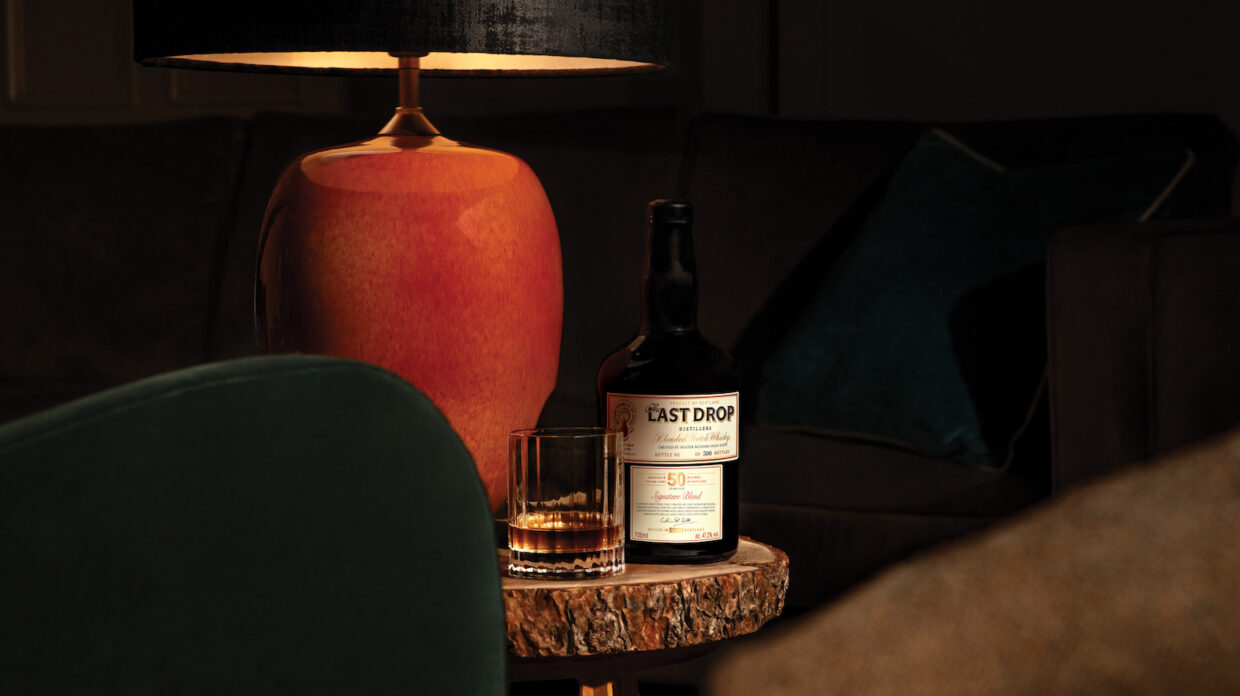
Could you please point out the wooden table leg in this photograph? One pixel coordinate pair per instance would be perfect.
(622, 686)
(598, 689)
(603, 675)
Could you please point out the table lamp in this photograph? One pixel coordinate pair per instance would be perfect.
(434, 259)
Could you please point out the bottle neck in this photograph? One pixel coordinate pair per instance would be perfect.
(669, 280)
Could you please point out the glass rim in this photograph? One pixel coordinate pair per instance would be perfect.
(570, 432)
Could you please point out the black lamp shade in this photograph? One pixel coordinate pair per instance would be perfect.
(458, 37)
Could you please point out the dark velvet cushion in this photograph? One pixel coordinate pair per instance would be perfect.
(915, 323)
(767, 195)
(289, 524)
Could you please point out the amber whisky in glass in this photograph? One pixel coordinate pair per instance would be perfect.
(565, 503)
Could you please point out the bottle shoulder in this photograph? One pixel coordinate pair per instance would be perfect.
(669, 363)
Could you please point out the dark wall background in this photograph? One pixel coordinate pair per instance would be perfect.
(68, 61)
(968, 59)
(955, 59)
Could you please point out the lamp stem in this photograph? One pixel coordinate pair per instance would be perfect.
(409, 75)
(409, 119)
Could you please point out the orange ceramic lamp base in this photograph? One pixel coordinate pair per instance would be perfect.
(435, 260)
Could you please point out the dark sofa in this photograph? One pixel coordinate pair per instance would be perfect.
(129, 250)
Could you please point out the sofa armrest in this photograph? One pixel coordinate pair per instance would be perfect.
(1143, 339)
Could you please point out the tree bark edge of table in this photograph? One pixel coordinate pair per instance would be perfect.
(600, 618)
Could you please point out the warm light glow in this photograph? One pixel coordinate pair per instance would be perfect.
(432, 62)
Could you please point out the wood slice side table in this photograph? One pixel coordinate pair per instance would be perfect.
(599, 631)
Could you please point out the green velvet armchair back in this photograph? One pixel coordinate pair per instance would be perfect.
(270, 525)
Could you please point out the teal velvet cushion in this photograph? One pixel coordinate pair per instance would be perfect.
(275, 525)
(928, 333)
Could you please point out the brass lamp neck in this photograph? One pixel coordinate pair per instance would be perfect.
(409, 119)
(408, 75)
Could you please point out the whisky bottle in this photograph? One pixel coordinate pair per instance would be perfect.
(674, 398)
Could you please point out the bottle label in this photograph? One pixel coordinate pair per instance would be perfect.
(677, 504)
(685, 429)
(673, 447)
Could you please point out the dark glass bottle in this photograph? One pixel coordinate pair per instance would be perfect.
(674, 397)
